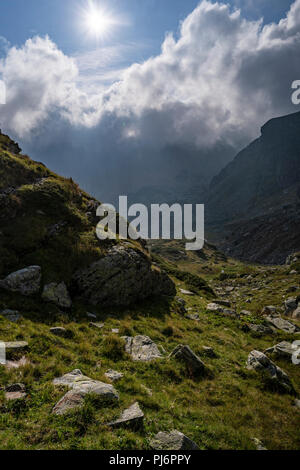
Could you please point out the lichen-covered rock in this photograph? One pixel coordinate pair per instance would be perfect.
(141, 348)
(280, 323)
(173, 440)
(192, 361)
(259, 362)
(132, 417)
(80, 386)
(26, 281)
(58, 294)
(122, 277)
(70, 401)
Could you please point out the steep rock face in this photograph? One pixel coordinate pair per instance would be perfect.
(48, 221)
(122, 277)
(258, 195)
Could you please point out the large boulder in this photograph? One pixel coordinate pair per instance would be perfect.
(259, 362)
(141, 348)
(26, 281)
(173, 440)
(191, 360)
(80, 386)
(123, 276)
(57, 294)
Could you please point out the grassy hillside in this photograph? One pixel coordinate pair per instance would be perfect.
(49, 221)
(223, 410)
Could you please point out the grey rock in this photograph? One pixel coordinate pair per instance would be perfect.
(269, 309)
(297, 403)
(193, 316)
(259, 362)
(208, 352)
(296, 313)
(12, 347)
(80, 386)
(258, 329)
(11, 315)
(191, 360)
(174, 440)
(10, 396)
(213, 307)
(70, 401)
(22, 362)
(15, 392)
(18, 387)
(225, 303)
(113, 375)
(57, 294)
(132, 417)
(186, 292)
(26, 281)
(283, 350)
(60, 331)
(290, 305)
(98, 326)
(123, 276)
(141, 348)
(280, 323)
(245, 313)
(91, 315)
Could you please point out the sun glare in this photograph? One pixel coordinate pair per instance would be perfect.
(97, 21)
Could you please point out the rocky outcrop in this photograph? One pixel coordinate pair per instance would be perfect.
(26, 281)
(57, 294)
(259, 362)
(122, 277)
(173, 440)
(191, 360)
(132, 417)
(141, 348)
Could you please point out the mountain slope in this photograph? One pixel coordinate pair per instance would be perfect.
(48, 221)
(258, 194)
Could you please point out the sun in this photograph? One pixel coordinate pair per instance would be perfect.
(97, 21)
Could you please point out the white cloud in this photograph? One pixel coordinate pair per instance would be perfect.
(215, 84)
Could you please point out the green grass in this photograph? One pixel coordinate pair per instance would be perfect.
(222, 411)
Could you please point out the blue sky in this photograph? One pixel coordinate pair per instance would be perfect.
(147, 21)
(139, 104)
